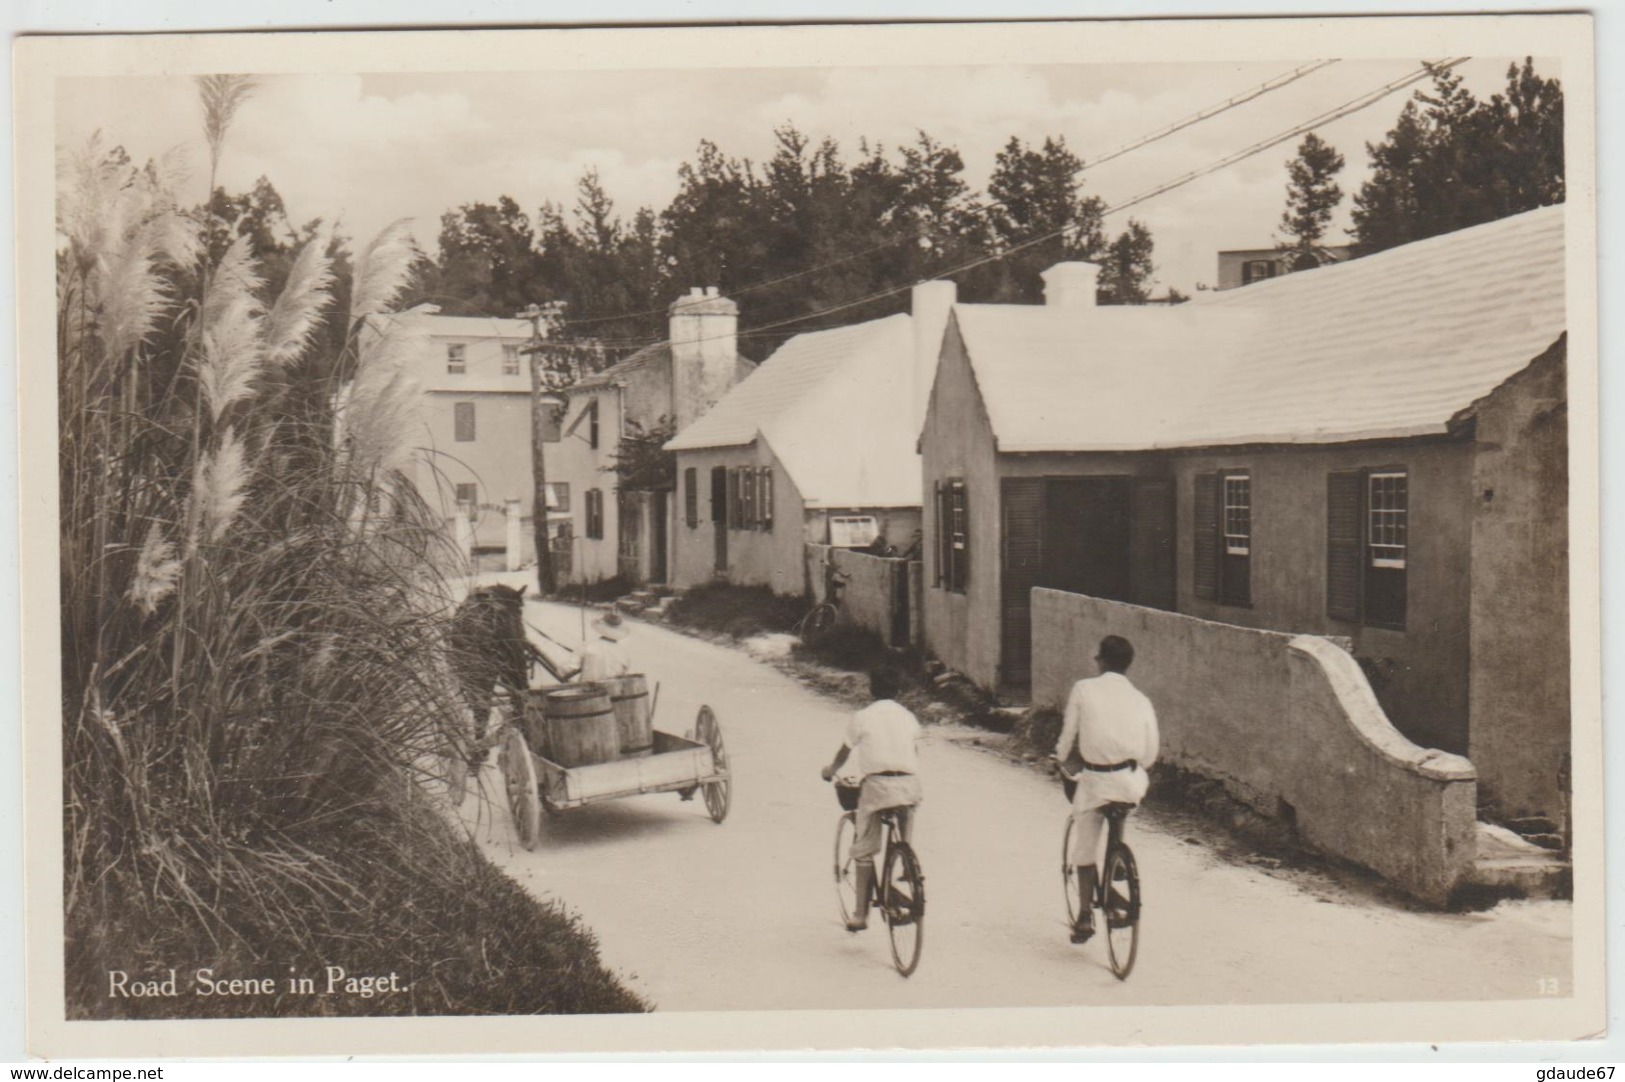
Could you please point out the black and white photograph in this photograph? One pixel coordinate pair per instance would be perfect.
(811, 537)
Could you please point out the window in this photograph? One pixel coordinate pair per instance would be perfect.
(456, 358)
(1256, 270)
(691, 497)
(468, 497)
(1223, 537)
(510, 360)
(558, 496)
(953, 536)
(463, 418)
(765, 511)
(595, 513)
(1367, 546)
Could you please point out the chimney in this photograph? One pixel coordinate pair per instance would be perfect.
(704, 352)
(1071, 285)
(929, 305)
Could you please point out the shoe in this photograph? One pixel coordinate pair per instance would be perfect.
(1084, 930)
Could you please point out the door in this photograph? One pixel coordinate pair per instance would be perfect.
(719, 514)
(1087, 528)
(629, 554)
(1021, 502)
(658, 537)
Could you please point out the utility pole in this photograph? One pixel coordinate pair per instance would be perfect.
(539, 422)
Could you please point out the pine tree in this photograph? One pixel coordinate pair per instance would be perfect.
(1312, 196)
(1452, 161)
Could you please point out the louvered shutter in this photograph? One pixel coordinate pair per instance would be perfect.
(1151, 544)
(1343, 489)
(1205, 536)
(938, 511)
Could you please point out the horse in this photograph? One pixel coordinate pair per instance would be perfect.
(488, 649)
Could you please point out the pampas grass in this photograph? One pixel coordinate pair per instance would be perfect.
(382, 271)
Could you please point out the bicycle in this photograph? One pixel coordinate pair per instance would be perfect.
(1117, 887)
(900, 884)
(819, 621)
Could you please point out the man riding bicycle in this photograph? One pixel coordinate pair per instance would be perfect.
(881, 754)
(1108, 741)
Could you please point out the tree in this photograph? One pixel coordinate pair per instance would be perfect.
(1037, 207)
(1451, 161)
(1126, 273)
(488, 261)
(1312, 195)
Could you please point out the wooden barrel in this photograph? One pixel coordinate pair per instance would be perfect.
(580, 725)
(630, 696)
(535, 723)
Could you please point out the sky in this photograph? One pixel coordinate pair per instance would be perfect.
(368, 149)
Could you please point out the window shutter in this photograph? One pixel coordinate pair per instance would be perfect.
(767, 498)
(1343, 491)
(1205, 536)
(691, 497)
(962, 525)
(941, 536)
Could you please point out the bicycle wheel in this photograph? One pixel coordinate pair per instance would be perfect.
(818, 623)
(846, 869)
(902, 896)
(1069, 877)
(1121, 898)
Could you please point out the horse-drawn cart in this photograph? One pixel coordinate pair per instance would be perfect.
(535, 783)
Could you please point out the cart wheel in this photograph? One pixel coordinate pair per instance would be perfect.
(524, 797)
(707, 731)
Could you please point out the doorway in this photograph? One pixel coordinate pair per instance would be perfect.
(719, 515)
(658, 538)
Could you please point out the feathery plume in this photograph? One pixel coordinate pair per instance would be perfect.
(156, 570)
(294, 317)
(237, 275)
(382, 405)
(232, 356)
(222, 477)
(222, 96)
(382, 270)
(128, 292)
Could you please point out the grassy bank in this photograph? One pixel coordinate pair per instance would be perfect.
(402, 896)
(261, 660)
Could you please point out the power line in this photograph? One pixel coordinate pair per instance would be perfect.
(1352, 106)
(1349, 107)
(1213, 110)
(1206, 113)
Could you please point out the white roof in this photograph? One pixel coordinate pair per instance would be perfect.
(1391, 345)
(426, 317)
(836, 407)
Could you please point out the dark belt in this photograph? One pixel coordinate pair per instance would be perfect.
(890, 774)
(1126, 764)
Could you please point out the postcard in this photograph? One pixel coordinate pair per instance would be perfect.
(936, 536)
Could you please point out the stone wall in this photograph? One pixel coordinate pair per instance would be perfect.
(1288, 724)
(876, 594)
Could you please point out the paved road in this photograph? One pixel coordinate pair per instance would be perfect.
(700, 916)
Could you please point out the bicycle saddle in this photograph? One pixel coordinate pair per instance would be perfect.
(1117, 809)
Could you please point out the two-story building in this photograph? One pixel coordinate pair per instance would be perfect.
(475, 450)
(1374, 451)
(623, 531)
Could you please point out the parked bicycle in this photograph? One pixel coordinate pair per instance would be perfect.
(820, 620)
(1117, 888)
(899, 888)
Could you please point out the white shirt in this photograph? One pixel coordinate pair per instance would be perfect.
(882, 736)
(1109, 720)
(601, 659)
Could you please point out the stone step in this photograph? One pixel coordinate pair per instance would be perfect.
(629, 604)
(1508, 862)
(643, 597)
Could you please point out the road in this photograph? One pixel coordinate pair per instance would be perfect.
(700, 916)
